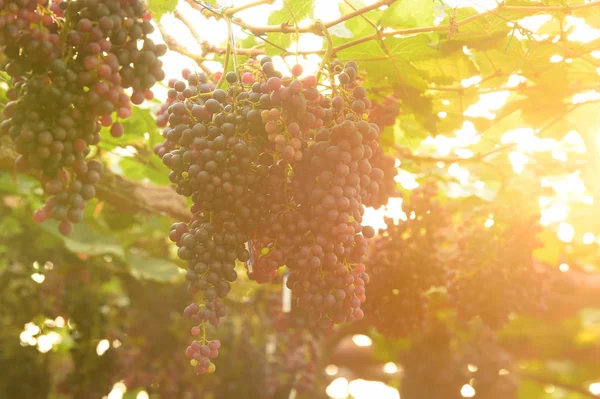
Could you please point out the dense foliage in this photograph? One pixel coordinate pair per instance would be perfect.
(255, 186)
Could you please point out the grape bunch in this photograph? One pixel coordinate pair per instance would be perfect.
(278, 174)
(404, 263)
(431, 366)
(212, 164)
(384, 112)
(247, 370)
(387, 186)
(328, 186)
(493, 375)
(492, 274)
(70, 63)
(440, 363)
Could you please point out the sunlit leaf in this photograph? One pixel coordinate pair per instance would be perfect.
(291, 14)
(85, 239)
(160, 7)
(153, 269)
(408, 14)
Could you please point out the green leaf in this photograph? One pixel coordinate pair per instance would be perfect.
(448, 70)
(291, 14)
(141, 169)
(86, 239)
(395, 68)
(552, 249)
(153, 268)
(411, 130)
(24, 185)
(160, 7)
(591, 17)
(590, 317)
(413, 48)
(359, 26)
(480, 28)
(408, 14)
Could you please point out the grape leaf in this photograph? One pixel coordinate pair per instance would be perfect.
(360, 26)
(552, 249)
(151, 169)
(153, 268)
(160, 7)
(449, 69)
(135, 128)
(293, 12)
(408, 14)
(479, 28)
(85, 239)
(395, 69)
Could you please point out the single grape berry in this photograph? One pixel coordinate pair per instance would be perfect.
(231, 77)
(297, 70)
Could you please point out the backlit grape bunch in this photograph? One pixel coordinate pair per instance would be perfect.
(492, 273)
(385, 111)
(278, 170)
(296, 343)
(404, 263)
(387, 185)
(440, 362)
(70, 63)
(212, 151)
(262, 360)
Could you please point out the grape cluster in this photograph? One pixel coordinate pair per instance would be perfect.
(439, 364)
(297, 319)
(387, 186)
(492, 274)
(404, 263)
(384, 112)
(262, 361)
(201, 355)
(298, 336)
(431, 367)
(70, 63)
(493, 375)
(210, 163)
(247, 370)
(278, 174)
(328, 184)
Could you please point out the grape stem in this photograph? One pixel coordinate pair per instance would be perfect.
(203, 329)
(227, 55)
(327, 57)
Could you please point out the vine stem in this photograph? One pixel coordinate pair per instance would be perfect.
(232, 49)
(227, 56)
(203, 330)
(327, 57)
(476, 158)
(308, 29)
(499, 9)
(231, 11)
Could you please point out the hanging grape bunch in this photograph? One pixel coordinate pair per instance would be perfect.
(70, 63)
(404, 263)
(278, 172)
(385, 111)
(387, 185)
(296, 351)
(440, 362)
(492, 274)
